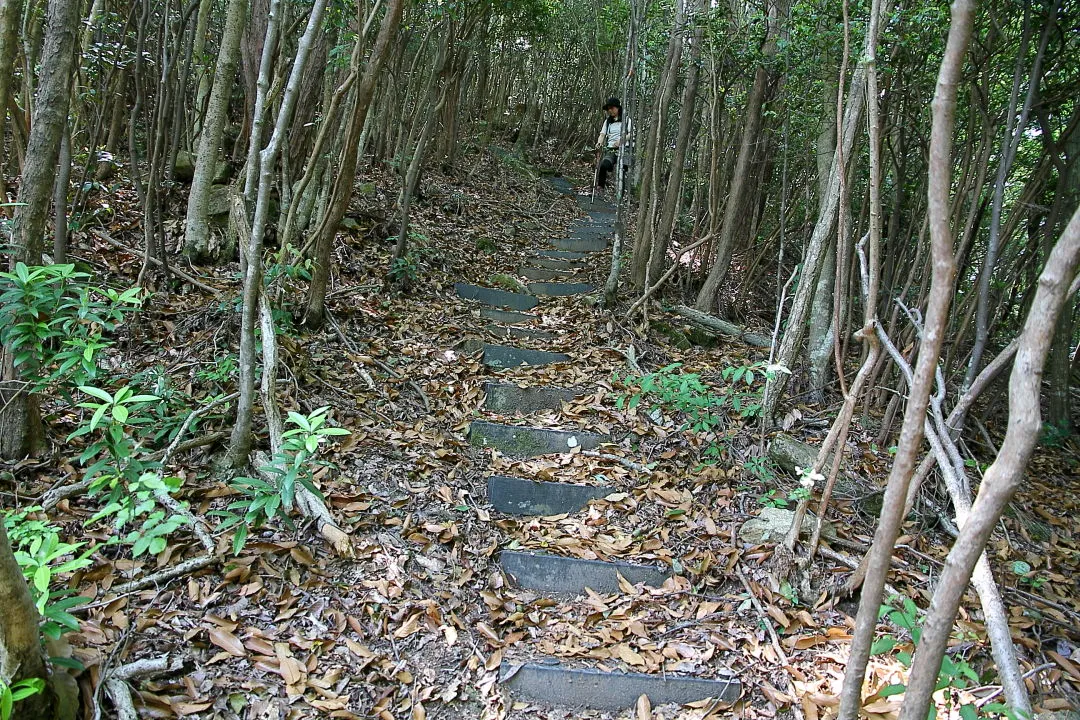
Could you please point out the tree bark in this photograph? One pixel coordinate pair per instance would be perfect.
(47, 125)
(740, 179)
(21, 653)
(240, 441)
(197, 231)
(1003, 477)
(941, 292)
(346, 174)
(10, 16)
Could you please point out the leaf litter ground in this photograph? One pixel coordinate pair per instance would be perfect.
(417, 624)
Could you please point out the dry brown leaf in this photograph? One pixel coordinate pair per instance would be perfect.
(227, 641)
(644, 707)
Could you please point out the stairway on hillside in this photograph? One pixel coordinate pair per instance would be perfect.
(560, 583)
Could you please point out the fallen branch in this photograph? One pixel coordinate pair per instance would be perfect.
(116, 685)
(184, 568)
(663, 278)
(175, 271)
(309, 504)
(621, 460)
(175, 446)
(715, 324)
(796, 708)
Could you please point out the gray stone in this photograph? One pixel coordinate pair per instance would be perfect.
(502, 331)
(505, 316)
(582, 245)
(507, 398)
(220, 201)
(497, 298)
(557, 264)
(505, 356)
(772, 524)
(518, 496)
(787, 452)
(543, 274)
(561, 184)
(602, 215)
(611, 691)
(555, 289)
(570, 576)
(562, 254)
(530, 441)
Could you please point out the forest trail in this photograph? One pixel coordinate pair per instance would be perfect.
(549, 576)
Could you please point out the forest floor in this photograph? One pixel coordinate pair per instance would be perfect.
(418, 622)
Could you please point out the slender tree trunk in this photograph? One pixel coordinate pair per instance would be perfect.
(911, 433)
(1004, 476)
(734, 216)
(20, 420)
(822, 331)
(197, 232)
(10, 15)
(346, 173)
(674, 191)
(47, 127)
(240, 441)
(60, 193)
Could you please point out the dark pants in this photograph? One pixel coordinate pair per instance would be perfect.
(607, 165)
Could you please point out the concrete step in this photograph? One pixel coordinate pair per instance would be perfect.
(518, 496)
(530, 441)
(611, 691)
(508, 317)
(580, 245)
(495, 298)
(543, 274)
(557, 289)
(570, 576)
(506, 356)
(557, 264)
(507, 398)
(561, 184)
(506, 333)
(562, 254)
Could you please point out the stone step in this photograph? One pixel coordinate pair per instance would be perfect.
(506, 316)
(518, 496)
(595, 203)
(581, 245)
(602, 215)
(570, 576)
(503, 331)
(507, 398)
(611, 691)
(557, 289)
(561, 184)
(557, 264)
(496, 298)
(530, 441)
(543, 274)
(506, 356)
(562, 254)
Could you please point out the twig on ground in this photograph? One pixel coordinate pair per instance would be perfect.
(118, 691)
(179, 273)
(184, 568)
(171, 450)
(796, 707)
(621, 460)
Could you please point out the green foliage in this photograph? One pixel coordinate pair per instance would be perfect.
(266, 500)
(54, 320)
(955, 673)
(131, 484)
(11, 694)
(404, 270)
(486, 245)
(704, 407)
(761, 468)
(43, 557)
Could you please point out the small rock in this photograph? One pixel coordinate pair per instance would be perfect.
(787, 452)
(772, 524)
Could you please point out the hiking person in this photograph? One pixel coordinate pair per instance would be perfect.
(614, 134)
